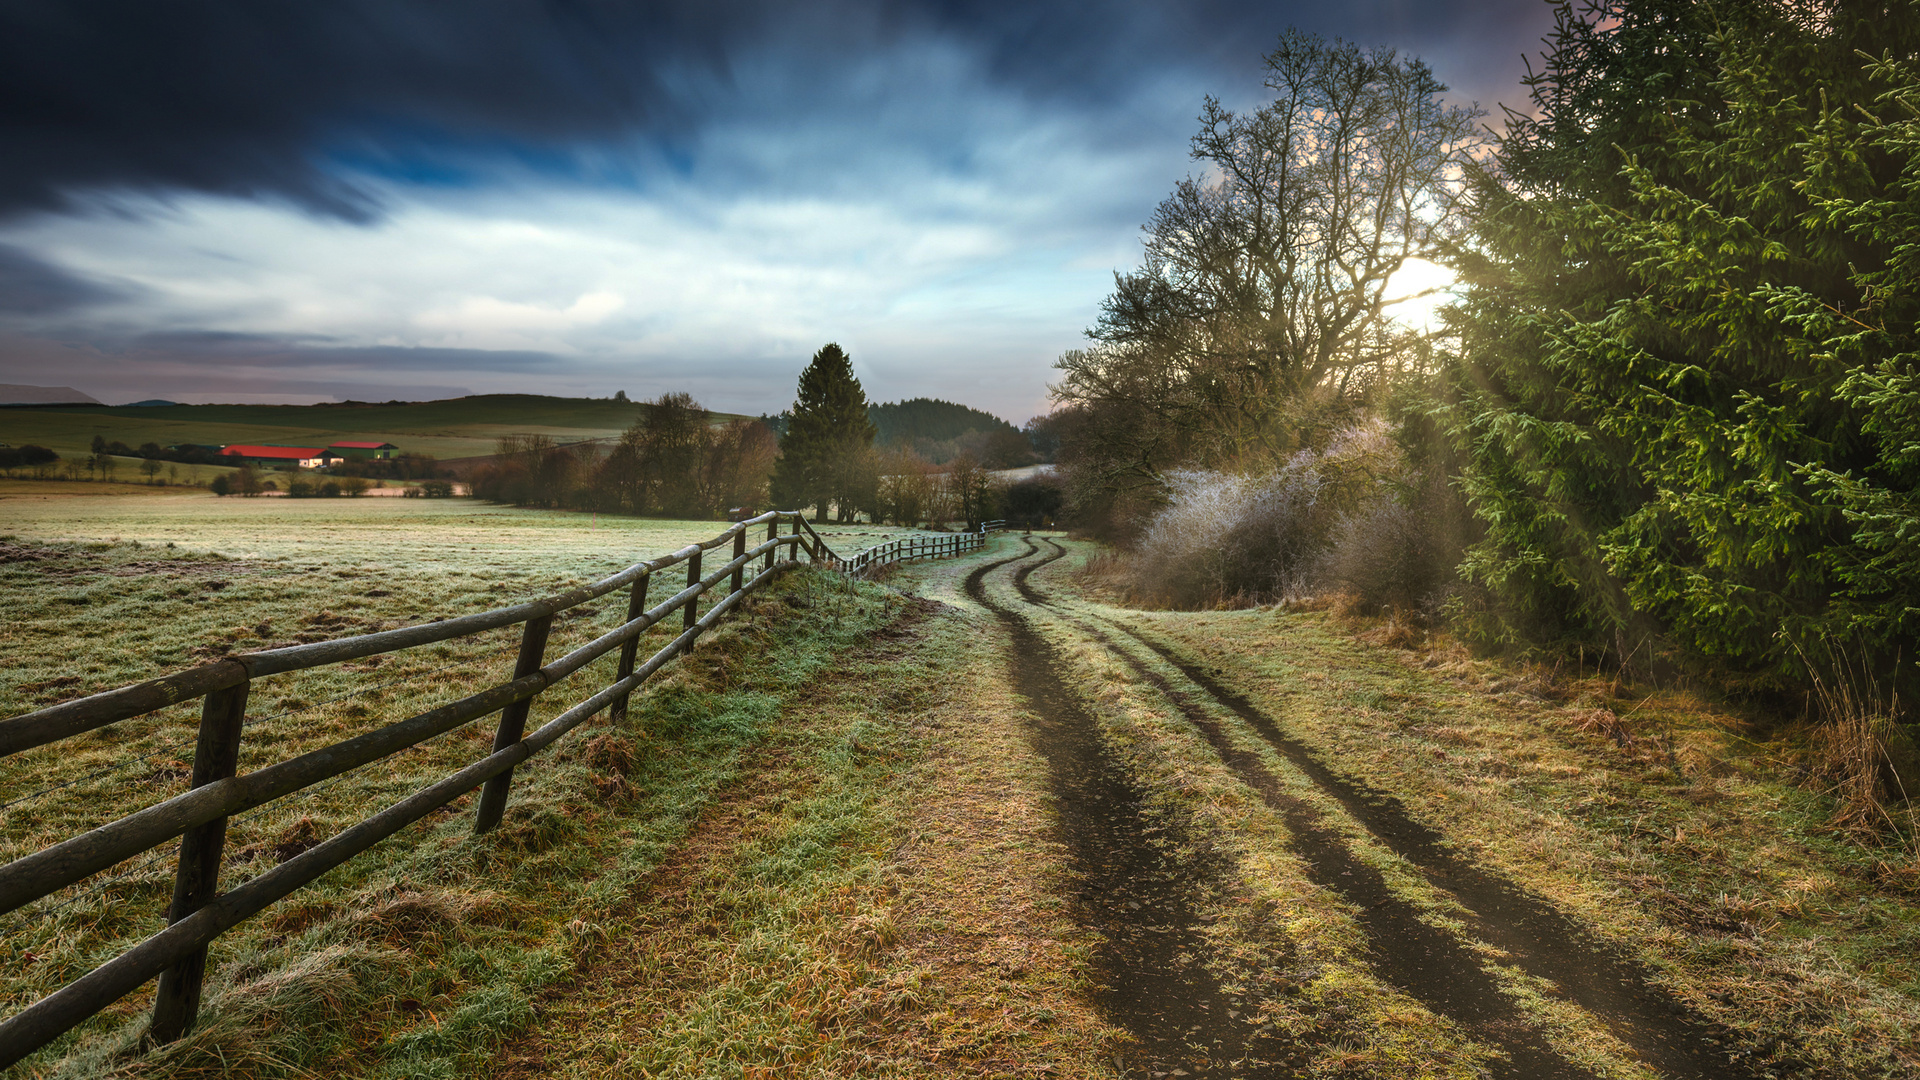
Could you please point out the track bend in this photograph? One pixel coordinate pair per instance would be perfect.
(1131, 888)
(1430, 964)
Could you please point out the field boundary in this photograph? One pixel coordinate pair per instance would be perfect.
(199, 912)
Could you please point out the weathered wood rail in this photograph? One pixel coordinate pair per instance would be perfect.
(907, 548)
(200, 912)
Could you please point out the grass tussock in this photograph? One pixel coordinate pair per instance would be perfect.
(1864, 758)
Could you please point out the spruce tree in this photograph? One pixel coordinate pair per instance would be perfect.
(828, 434)
(1688, 390)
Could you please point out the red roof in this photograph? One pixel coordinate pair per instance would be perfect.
(287, 453)
(361, 446)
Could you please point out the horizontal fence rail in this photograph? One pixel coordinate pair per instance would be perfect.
(200, 912)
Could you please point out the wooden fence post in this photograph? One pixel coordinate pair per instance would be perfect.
(692, 610)
(739, 549)
(217, 755)
(773, 533)
(636, 606)
(513, 723)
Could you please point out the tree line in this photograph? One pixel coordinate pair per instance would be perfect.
(678, 460)
(1671, 415)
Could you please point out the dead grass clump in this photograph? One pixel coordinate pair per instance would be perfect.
(1602, 722)
(412, 917)
(609, 752)
(299, 837)
(1862, 756)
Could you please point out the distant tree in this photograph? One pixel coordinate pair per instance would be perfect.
(1034, 503)
(1043, 434)
(971, 489)
(827, 435)
(221, 485)
(904, 487)
(673, 445)
(150, 466)
(675, 461)
(737, 459)
(1005, 448)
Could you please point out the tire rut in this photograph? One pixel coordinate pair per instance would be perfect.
(1132, 888)
(1541, 940)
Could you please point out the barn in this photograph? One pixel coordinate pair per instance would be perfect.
(300, 457)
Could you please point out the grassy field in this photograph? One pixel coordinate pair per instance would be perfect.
(827, 845)
(455, 428)
(1665, 826)
(418, 959)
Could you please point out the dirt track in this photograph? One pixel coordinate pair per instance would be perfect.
(1154, 967)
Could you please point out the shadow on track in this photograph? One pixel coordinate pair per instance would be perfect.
(1542, 941)
(1131, 887)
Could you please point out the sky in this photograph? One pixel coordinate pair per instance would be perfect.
(377, 199)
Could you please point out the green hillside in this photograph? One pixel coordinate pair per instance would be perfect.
(453, 428)
(929, 419)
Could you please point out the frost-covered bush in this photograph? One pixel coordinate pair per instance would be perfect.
(1389, 555)
(1227, 537)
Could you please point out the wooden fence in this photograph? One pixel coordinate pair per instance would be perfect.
(200, 912)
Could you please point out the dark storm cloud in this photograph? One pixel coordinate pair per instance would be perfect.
(29, 286)
(256, 99)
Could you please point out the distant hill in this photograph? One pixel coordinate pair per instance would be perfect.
(452, 428)
(940, 430)
(148, 404)
(19, 394)
(930, 419)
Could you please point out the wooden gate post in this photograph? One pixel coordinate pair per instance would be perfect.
(513, 723)
(636, 607)
(215, 757)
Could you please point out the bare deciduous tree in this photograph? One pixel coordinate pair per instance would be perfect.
(1266, 279)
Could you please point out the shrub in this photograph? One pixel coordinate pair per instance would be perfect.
(434, 489)
(1398, 551)
(1233, 538)
(299, 489)
(330, 489)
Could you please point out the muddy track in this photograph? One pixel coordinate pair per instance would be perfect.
(1429, 964)
(1132, 889)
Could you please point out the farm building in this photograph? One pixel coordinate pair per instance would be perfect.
(363, 450)
(302, 457)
